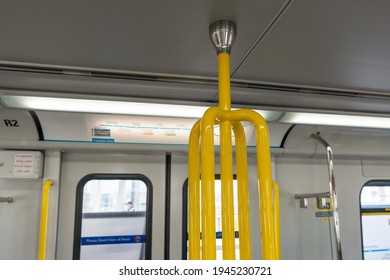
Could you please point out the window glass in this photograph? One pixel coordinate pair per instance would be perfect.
(375, 220)
(114, 195)
(113, 217)
(218, 219)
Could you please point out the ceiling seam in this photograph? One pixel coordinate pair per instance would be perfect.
(261, 37)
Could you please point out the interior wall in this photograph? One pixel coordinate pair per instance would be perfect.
(77, 165)
(180, 174)
(307, 175)
(19, 220)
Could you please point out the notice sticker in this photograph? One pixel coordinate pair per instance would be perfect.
(326, 212)
(101, 132)
(24, 165)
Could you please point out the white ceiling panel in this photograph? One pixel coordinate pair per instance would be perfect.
(326, 44)
(310, 54)
(165, 37)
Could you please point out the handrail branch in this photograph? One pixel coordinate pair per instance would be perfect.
(332, 191)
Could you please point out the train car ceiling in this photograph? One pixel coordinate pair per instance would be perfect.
(185, 91)
(289, 57)
(289, 54)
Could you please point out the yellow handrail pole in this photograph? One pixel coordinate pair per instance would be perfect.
(227, 200)
(194, 193)
(208, 180)
(264, 178)
(265, 193)
(224, 81)
(44, 218)
(277, 219)
(242, 192)
(222, 34)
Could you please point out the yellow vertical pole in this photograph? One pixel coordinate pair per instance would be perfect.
(194, 193)
(224, 81)
(208, 183)
(242, 192)
(44, 218)
(227, 200)
(223, 34)
(267, 220)
(276, 206)
(265, 190)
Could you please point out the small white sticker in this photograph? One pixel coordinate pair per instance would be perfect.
(24, 165)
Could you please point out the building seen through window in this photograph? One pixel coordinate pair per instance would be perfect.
(114, 196)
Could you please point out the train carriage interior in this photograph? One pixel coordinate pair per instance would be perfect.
(98, 100)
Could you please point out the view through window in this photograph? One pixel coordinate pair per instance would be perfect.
(113, 217)
(375, 220)
(218, 219)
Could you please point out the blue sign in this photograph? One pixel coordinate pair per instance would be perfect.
(324, 214)
(103, 140)
(106, 240)
(376, 250)
(218, 234)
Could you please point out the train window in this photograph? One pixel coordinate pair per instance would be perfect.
(375, 220)
(113, 217)
(218, 218)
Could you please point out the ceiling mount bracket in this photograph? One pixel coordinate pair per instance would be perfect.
(223, 33)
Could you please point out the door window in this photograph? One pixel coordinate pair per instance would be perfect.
(375, 220)
(113, 217)
(218, 219)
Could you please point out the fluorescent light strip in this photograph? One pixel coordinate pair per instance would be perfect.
(112, 107)
(336, 120)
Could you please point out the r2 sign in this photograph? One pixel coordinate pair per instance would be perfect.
(11, 123)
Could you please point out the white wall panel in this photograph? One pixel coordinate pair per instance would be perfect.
(19, 220)
(77, 165)
(308, 175)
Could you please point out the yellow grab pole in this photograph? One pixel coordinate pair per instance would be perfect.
(222, 34)
(227, 200)
(276, 205)
(44, 218)
(194, 193)
(208, 181)
(265, 191)
(264, 173)
(242, 192)
(224, 81)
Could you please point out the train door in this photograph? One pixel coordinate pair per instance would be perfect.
(113, 217)
(144, 174)
(178, 227)
(375, 220)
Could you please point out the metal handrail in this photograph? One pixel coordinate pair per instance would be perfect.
(276, 206)
(201, 168)
(44, 218)
(332, 191)
(312, 195)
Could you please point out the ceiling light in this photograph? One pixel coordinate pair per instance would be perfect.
(336, 120)
(113, 107)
